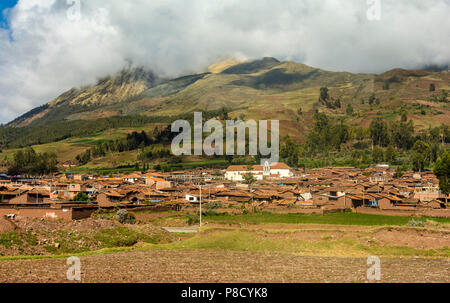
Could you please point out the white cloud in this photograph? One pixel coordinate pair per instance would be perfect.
(50, 53)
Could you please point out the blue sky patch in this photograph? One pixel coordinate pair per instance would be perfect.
(5, 4)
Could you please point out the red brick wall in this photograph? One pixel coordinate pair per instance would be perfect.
(30, 212)
(81, 213)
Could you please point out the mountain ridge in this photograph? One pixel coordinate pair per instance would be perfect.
(257, 85)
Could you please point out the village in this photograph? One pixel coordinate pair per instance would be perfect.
(274, 188)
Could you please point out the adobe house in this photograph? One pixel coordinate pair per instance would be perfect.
(80, 177)
(427, 193)
(109, 198)
(359, 199)
(265, 195)
(235, 195)
(7, 194)
(386, 201)
(153, 196)
(434, 204)
(32, 196)
(158, 183)
(331, 194)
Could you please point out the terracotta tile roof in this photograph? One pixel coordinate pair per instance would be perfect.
(234, 193)
(279, 165)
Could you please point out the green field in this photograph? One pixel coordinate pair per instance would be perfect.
(344, 218)
(284, 241)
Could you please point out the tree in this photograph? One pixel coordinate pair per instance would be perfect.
(379, 132)
(398, 173)
(402, 134)
(404, 116)
(420, 155)
(442, 172)
(360, 133)
(326, 134)
(444, 96)
(337, 103)
(289, 152)
(323, 94)
(377, 155)
(249, 179)
(81, 197)
(445, 132)
(372, 99)
(389, 154)
(29, 162)
(349, 110)
(223, 114)
(229, 158)
(340, 135)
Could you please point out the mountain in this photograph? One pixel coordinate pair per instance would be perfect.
(257, 89)
(109, 90)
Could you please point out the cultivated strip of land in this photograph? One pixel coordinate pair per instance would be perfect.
(224, 266)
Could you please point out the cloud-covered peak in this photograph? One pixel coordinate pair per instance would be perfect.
(48, 49)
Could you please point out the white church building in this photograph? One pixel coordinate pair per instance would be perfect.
(275, 170)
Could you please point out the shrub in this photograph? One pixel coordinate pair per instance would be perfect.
(417, 223)
(81, 197)
(124, 217)
(213, 205)
(193, 220)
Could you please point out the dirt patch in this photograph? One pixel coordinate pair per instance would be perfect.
(306, 236)
(48, 238)
(7, 225)
(415, 238)
(28, 224)
(168, 266)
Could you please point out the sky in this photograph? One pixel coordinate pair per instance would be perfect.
(4, 6)
(50, 46)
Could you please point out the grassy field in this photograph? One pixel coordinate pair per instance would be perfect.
(289, 241)
(346, 218)
(68, 149)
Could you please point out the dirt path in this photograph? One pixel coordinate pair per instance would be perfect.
(223, 266)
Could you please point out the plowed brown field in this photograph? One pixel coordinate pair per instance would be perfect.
(223, 266)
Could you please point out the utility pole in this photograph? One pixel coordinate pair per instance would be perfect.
(200, 205)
